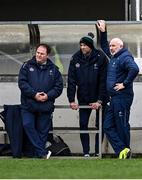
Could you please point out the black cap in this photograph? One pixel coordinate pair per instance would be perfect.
(88, 40)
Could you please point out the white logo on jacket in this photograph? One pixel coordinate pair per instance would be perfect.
(51, 72)
(77, 65)
(31, 69)
(95, 66)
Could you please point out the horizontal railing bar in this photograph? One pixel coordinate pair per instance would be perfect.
(64, 107)
(81, 22)
(65, 22)
(65, 131)
(68, 107)
(136, 128)
(73, 131)
(72, 128)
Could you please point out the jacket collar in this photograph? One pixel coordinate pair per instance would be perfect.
(45, 66)
(119, 52)
(85, 59)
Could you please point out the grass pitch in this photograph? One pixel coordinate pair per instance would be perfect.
(70, 168)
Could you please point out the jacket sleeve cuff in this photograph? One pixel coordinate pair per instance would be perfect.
(125, 84)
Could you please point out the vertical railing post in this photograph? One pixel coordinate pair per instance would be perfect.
(100, 133)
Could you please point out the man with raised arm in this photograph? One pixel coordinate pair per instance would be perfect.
(121, 73)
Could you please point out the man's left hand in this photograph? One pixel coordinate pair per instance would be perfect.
(119, 86)
(43, 97)
(95, 105)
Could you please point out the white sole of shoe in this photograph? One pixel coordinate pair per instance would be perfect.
(48, 155)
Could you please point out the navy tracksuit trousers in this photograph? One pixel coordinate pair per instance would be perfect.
(37, 126)
(116, 122)
(84, 115)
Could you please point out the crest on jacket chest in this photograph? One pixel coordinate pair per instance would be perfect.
(51, 72)
(95, 66)
(31, 69)
(77, 65)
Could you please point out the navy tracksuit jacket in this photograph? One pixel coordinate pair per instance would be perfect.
(121, 69)
(37, 116)
(35, 78)
(87, 76)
